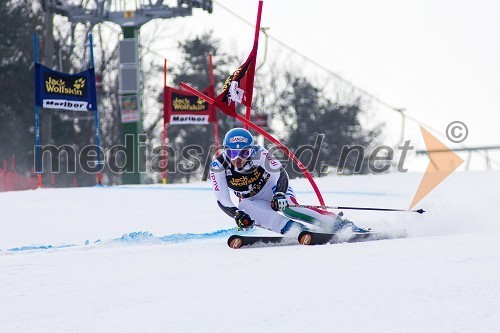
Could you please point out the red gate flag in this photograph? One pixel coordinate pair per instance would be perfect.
(183, 107)
(238, 87)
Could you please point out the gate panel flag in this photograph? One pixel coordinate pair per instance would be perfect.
(182, 107)
(56, 90)
(238, 87)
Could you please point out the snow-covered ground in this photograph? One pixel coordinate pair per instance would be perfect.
(155, 259)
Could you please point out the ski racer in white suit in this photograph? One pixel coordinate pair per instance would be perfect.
(261, 184)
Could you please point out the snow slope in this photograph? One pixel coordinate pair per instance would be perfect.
(180, 276)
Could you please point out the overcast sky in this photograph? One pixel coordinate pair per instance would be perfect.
(437, 59)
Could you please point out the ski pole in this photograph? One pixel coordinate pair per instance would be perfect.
(420, 211)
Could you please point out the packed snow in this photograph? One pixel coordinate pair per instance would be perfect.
(154, 259)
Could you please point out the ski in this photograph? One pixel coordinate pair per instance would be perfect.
(319, 238)
(238, 241)
(310, 238)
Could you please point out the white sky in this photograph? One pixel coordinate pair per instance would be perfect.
(437, 59)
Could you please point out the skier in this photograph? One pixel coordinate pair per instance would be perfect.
(261, 184)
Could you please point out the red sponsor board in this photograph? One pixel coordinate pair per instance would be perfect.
(182, 107)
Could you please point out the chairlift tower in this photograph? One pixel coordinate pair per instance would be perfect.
(130, 15)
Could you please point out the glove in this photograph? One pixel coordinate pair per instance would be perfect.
(243, 220)
(279, 202)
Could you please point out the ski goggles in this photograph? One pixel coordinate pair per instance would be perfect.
(233, 154)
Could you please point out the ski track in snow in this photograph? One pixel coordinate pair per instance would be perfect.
(65, 267)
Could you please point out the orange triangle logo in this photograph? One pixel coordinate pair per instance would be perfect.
(443, 161)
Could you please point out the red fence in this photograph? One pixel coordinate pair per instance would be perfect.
(11, 181)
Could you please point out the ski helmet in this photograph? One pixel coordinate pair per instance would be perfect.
(238, 142)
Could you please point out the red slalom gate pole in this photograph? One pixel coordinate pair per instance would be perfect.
(216, 125)
(251, 70)
(164, 139)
